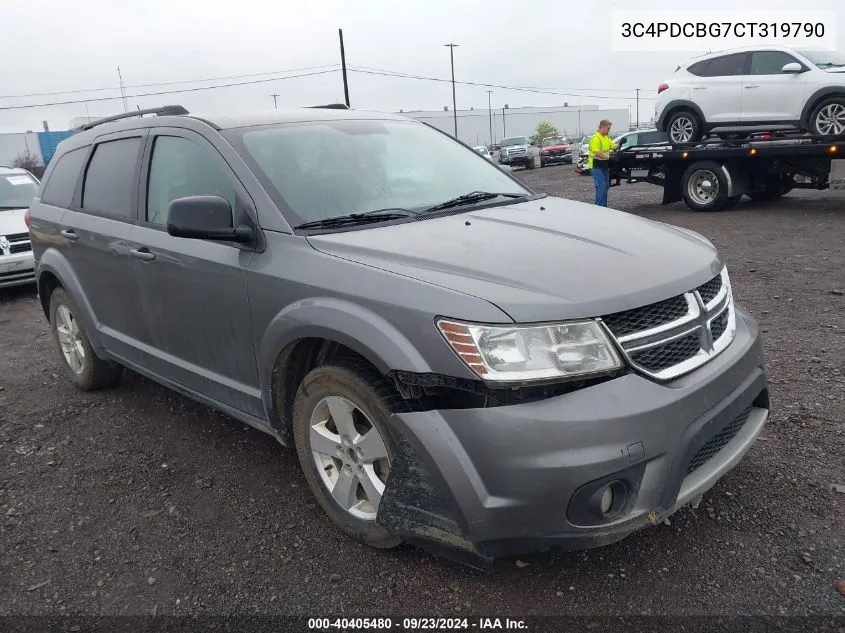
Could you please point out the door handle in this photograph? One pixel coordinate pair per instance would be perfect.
(143, 254)
(69, 234)
(699, 88)
(754, 86)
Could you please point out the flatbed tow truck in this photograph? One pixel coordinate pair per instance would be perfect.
(713, 174)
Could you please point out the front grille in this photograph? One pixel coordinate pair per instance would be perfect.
(718, 441)
(16, 237)
(669, 338)
(719, 325)
(709, 290)
(647, 317)
(664, 356)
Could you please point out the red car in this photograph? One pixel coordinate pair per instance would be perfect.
(555, 149)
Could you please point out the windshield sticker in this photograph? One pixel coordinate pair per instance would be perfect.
(19, 180)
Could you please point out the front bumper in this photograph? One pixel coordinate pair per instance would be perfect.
(501, 480)
(550, 159)
(522, 159)
(17, 269)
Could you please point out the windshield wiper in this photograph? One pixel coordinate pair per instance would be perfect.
(376, 215)
(471, 198)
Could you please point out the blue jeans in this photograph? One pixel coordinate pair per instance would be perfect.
(602, 179)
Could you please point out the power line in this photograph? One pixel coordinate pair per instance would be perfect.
(387, 73)
(629, 91)
(166, 92)
(170, 83)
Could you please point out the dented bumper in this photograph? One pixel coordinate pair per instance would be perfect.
(514, 479)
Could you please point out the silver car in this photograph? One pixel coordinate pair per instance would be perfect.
(458, 361)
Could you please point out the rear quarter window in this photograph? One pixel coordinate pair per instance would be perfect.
(61, 182)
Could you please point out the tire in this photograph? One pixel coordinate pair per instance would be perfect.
(84, 368)
(542, 164)
(352, 388)
(774, 189)
(828, 117)
(704, 187)
(683, 126)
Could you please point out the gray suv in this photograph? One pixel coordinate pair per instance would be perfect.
(459, 362)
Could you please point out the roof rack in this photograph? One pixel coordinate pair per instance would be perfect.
(170, 110)
(332, 106)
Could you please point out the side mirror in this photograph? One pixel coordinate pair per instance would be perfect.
(205, 218)
(792, 68)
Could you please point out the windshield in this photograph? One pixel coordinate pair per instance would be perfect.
(825, 59)
(516, 140)
(548, 142)
(17, 190)
(327, 169)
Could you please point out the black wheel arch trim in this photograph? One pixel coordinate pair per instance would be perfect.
(814, 100)
(677, 104)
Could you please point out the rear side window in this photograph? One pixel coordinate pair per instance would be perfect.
(727, 66)
(110, 178)
(59, 188)
(699, 68)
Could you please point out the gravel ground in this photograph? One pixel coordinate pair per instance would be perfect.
(137, 500)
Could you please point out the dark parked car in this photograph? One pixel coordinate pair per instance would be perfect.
(457, 360)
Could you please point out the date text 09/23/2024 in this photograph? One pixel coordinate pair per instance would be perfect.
(415, 624)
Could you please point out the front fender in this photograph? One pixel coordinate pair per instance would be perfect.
(341, 321)
(54, 262)
(818, 95)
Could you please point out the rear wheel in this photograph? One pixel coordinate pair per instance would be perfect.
(345, 446)
(704, 187)
(828, 118)
(683, 126)
(82, 366)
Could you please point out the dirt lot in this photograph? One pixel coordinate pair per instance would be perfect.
(137, 500)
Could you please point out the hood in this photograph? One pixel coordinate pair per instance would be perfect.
(570, 260)
(838, 70)
(511, 148)
(555, 148)
(12, 221)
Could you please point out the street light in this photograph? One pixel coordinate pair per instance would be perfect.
(490, 112)
(454, 105)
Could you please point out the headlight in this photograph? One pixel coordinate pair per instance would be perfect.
(526, 353)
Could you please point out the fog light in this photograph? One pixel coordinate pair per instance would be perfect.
(606, 500)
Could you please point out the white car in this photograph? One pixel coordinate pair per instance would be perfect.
(17, 189)
(481, 149)
(755, 87)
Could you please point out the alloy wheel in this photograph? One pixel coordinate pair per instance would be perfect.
(830, 120)
(70, 339)
(350, 455)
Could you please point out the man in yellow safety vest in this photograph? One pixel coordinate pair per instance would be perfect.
(599, 160)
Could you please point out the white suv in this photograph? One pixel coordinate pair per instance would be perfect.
(17, 189)
(766, 86)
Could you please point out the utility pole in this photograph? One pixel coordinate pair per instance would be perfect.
(343, 67)
(490, 112)
(122, 90)
(638, 108)
(275, 105)
(504, 125)
(454, 104)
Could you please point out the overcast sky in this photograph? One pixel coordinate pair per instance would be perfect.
(51, 46)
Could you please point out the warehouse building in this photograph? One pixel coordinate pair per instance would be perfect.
(474, 124)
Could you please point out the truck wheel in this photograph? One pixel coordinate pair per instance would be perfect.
(345, 446)
(828, 118)
(704, 187)
(683, 126)
(87, 371)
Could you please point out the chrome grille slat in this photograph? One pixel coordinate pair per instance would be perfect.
(669, 338)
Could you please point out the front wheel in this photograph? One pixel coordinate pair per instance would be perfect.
(683, 126)
(828, 118)
(345, 446)
(704, 187)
